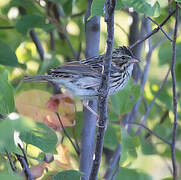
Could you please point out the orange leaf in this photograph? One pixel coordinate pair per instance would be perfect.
(37, 170)
(32, 103)
(63, 157)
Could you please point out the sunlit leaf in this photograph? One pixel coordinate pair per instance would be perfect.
(6, 94)
(41, 136)
(62, 158)
(69, 174)
(128, 174)
(13, 123)
(33, 103)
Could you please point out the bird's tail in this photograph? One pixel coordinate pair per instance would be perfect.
(38, 78)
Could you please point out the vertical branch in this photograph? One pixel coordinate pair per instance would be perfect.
(92, 31)
(174, 134)
(132, 115)
(103, 97)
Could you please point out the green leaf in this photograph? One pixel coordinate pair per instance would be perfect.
(165, 53)
(178, 72)
(10, 176)
(112, 135)
(167, 154)
(29, 6)
(7, 56)
(141, 6)
(129, 145)
(28, 22)
(167, 178)
(123, 101)
(6, 95)
(12, 123)
(97, 7)
(69, 174)
(147, 147)
(41, 136)
(128, 174)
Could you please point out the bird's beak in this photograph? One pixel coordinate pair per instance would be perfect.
(134, 60)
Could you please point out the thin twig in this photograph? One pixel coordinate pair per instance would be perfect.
(38, 44)
(151, 132)
(115, 172)
(67, 135)
(134, 111)
(103, 89)
(122, 29)
(24, 154)
(114, 160)
(7, 27)
(55, 18)
(25, 167)
(175, 123)
(153, 31)
(160, 28)
(11, 163)
(143, 119)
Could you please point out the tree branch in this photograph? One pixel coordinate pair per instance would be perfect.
(153, 31)
(92, 32)
(10, 161)
(114, 160)
(7, 27)
(25, 167)
(151, 132)
(143, 119)
(166, 35)
(175, 123)
(103, 97)
(67, 135)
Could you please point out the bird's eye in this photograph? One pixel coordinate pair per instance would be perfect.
(123, 57)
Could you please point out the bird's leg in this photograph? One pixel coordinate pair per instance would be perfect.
(86, 104)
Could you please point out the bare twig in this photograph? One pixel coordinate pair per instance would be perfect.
(166, 35)
(122, 29)
(153, 31)
(134, 111)
(55, 18)
(151, 132)
(115, 172)
(38, 44)
(175, 123)
(25, 167)
(67, 135)
(24, 154)
(103, 97)
(10, 161)
(113, 162)
(152, 102)
(7, 27)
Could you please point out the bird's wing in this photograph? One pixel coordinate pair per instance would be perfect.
(90, 67)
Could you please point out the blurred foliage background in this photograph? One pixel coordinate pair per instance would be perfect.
(37, 35)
